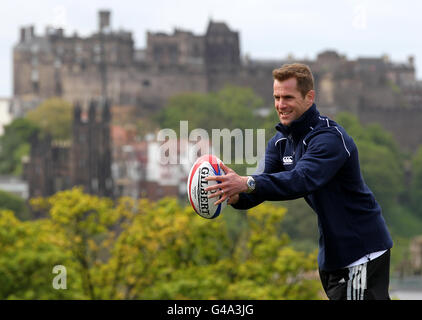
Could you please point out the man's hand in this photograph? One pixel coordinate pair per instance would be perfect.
(231, 185)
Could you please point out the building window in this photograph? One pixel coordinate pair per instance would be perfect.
(35, 87)
(34, 75)
(81, 163)
(94, 184)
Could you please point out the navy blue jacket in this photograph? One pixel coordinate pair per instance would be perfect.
(314, 158)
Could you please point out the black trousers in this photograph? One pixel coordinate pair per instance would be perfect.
(368, 281)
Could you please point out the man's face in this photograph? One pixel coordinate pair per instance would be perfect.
(288, 100)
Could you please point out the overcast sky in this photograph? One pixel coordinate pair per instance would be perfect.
(268, 28)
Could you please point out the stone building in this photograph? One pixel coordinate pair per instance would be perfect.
(84, 161)
(91, 149)
(71, 67)
(107, 63)
(48, 167)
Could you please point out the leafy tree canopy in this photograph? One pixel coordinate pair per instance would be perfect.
(9, 201)
(14, 144)
(54, 117)
(146, 250)
(231, 107)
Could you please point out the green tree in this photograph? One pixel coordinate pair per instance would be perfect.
(231, 107)
(171, 253)
(9, 201)
(14, 144)
(382, 172)
(150, 250)
(28, 253)
(416, 183)
(237, 106)
(230, 110)
(84, 223)
(54, 117)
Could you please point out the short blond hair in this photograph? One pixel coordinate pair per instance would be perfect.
(300, 71)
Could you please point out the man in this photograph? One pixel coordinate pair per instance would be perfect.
(313, 157)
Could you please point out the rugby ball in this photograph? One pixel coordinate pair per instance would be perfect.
(207, 165)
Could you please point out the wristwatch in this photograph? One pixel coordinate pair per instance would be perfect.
(251, 184)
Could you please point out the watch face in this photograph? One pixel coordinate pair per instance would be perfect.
(251, 183)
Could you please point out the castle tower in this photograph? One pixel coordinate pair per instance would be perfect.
(104, 174)
(222, 51)
(91, 151)
(103, 20)
(39, 170)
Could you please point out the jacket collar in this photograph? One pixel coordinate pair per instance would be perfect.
(300, 127)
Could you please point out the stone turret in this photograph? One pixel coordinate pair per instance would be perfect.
(221, 48)
(104, 20)
(91, 150)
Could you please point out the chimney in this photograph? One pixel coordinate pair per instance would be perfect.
(106, 116)
(92, 110)
(60, 32)
(104, 20)
(22, 35)
(411, 60)
(77, 111)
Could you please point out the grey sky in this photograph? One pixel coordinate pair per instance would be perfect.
(268, 28)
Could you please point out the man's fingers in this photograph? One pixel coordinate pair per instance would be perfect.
(213, 187)
(216, 194)
(223, 198)
(233, 199)
(215, 178)
(216, 189)
(224, 167)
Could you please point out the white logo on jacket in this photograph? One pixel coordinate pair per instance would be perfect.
(287, 160)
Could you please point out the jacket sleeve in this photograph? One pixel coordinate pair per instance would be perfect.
(272, 163)
(325, 155)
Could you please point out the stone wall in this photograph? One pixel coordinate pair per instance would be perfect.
(403, 123)
(107, 63)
